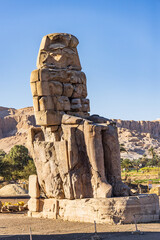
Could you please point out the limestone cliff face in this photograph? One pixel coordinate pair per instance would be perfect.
(14, 125)
(152, 127)
(138, 137)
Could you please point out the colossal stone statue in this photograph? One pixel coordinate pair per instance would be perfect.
(76, 155)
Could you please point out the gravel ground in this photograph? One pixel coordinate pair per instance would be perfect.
(17, 227)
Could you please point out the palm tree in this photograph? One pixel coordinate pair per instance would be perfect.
(126, 163)
(122, 149)
(152, 152)
(136, 164)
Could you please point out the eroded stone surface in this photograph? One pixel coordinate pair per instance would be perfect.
(122, 210)
(76, 155)
(58, 84)
(79, 159)
(34, 190)
(33, 204)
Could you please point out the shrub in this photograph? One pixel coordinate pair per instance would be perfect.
(17, 164)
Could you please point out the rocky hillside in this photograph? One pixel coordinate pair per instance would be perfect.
(137, 136)
(14, 125)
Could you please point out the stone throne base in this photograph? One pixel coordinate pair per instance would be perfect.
(122, 210)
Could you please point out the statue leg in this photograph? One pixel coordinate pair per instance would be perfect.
(93, 138)
(112, 161)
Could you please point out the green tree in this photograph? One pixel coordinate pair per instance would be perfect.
(136, 164)
(155, 160)
(17, 164)
(126, 163)
(122, 149)
(18, 157)
(152, 152)
(29, 169)
(3, 166)
(144, 160)
(2, 154)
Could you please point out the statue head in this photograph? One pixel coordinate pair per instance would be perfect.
(58, 50)
(58, 85)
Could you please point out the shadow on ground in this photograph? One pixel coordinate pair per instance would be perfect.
(87, 236)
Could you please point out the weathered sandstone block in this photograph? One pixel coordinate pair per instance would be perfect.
(34, 186)
(48, 118)
(34, 76)
(56, 88)
(80, 91)
(61, 103)
(58, 76)
(76, 104)
(34, 89)
(85, 105)
(36, 103)
(45, 103)
(67, 89)
(78, 114)
(122, 210)
(33, 205)
(144, 208)
(42, 88)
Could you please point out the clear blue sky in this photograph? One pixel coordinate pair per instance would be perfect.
(119, 51)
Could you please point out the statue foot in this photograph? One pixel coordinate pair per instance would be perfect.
(121, 190)
(104, 190)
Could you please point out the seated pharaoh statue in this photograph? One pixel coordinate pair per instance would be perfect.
(76, 155)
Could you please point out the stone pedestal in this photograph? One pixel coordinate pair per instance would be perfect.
(120, 210)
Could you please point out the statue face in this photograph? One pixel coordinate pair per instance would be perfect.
(58, 51)
(60, 58)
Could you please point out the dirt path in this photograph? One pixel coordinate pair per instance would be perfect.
(16, 227)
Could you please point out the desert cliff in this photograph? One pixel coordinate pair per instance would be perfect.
(14, 125)
(137, 136)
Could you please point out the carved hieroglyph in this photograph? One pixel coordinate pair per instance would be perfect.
(76, 155)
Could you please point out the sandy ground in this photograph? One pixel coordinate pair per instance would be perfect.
(16, 227)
